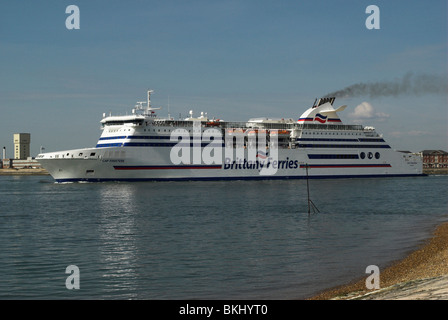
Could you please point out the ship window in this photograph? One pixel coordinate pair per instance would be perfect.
(377, 155)
(362, 155)
(92, 154)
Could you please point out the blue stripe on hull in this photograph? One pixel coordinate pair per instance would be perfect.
(239, 178)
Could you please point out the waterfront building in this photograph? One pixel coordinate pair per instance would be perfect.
(435, 159)
(22, 146)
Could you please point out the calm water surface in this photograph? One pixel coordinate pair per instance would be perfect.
(207, 240)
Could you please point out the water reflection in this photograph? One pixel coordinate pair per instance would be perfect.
(117, 237)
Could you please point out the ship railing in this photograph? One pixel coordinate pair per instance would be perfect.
(371, 134)
(337, 127)
(254, 125)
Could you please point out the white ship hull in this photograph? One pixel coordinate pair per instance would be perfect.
(318, 145)
(153, 164)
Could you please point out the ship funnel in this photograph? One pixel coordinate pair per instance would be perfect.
(321, 101)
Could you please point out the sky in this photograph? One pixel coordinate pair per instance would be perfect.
(234, 60)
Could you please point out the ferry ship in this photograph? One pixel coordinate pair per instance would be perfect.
(145, 147)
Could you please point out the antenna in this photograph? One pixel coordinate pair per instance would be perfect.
(149, 99)
(149, 109)
(169, 114)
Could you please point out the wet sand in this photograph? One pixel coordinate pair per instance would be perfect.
(421, 275)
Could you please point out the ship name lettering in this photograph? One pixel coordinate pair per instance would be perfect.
(248, 164)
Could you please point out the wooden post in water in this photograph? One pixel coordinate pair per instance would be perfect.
(310, 202)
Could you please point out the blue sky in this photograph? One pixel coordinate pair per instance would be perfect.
(233, 59)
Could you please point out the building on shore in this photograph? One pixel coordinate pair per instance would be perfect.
(28, 163)
(22, 158)
(434, 159)
(22, 143)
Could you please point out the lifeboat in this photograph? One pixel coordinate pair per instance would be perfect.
(251, 132)
(235, 131)
(280, 132)
(213, 123)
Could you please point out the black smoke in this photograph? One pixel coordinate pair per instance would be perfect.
(409, 84)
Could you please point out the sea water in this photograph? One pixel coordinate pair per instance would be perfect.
(207, 240)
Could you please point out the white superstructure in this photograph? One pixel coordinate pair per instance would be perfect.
(143, 146)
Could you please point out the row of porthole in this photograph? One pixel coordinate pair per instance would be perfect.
(369, 155)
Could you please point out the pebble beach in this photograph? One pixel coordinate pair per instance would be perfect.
(422, 275)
